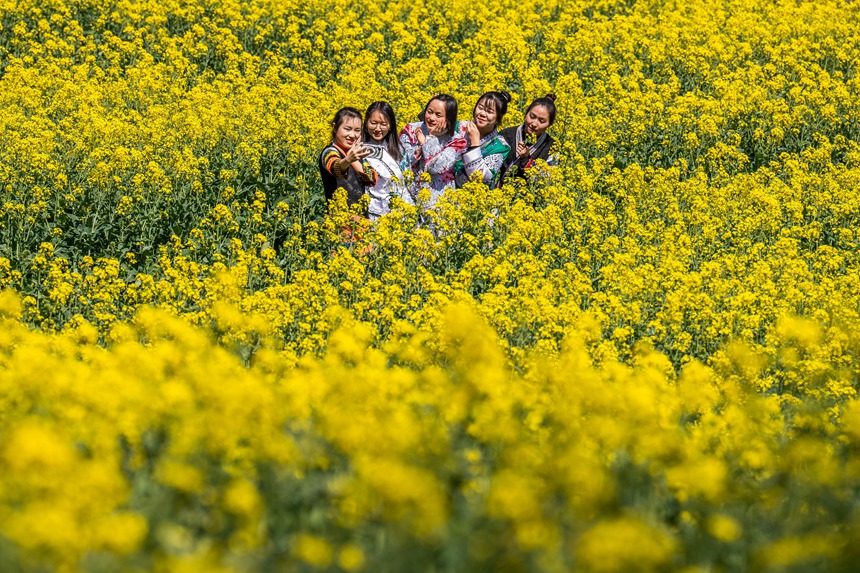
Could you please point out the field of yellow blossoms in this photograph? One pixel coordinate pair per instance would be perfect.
(643, 359)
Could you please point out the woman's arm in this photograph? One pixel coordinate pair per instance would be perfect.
(489, 165)
(440, 158)
(430, 152)
(411, 147)
(332, 161)
(336, 163)
(368, 174)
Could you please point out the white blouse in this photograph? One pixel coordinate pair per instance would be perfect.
(390, 183)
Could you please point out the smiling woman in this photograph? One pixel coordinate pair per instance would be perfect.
(530, 141)
(487, 149)
(343, 162)
(379, 135)
(434, 145)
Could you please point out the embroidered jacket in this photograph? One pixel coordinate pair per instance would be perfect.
(540, 149)
(437, 157)
(388, 183)
(488, 158)
(353, 179)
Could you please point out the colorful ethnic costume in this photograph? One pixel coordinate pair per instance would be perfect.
(488, 157)
(356, 177)
(437, 157)
(389, 181)
(540, 149)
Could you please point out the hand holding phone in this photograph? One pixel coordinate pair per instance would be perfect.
(357, 152)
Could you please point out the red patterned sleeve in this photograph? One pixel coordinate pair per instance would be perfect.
(331, 161)
(411, 148)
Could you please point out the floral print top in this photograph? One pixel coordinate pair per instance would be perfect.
(437, 157)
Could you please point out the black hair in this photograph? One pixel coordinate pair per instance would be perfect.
(547, 101)
(450, 111)
(500, 101)
(392, 144)
(341, 116)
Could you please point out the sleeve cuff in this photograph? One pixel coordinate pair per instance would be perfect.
(472, 155)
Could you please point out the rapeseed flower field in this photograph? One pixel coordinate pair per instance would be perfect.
(644, 359)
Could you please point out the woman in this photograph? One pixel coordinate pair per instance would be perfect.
(487, 149)
(530, 141)
(433, 146)
(378, 135)
(343, 163)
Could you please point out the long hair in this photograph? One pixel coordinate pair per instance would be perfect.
(392, 144)
(341, 116)
(450, 111)
(500, 100)
(547, 101)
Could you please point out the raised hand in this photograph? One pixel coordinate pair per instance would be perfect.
(522, 149)
(438, 128)
(357, 152)
(474, 134)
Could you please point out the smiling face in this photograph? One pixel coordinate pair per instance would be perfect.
(377, 126)
(434, 115)
(486, 115)
(537, 120)
(348, 132)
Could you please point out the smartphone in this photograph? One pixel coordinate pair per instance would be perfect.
(375, 151)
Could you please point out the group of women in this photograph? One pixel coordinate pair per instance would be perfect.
(366, 156)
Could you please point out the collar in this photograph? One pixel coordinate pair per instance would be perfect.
(489, 137)
(521, 130)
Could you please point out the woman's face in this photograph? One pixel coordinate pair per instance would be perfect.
(537, 120)
(434, 115)
(486, 117)
(378, 126)
(348, 133)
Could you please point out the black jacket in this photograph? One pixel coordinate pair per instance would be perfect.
(541, 150)
(351, 181)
